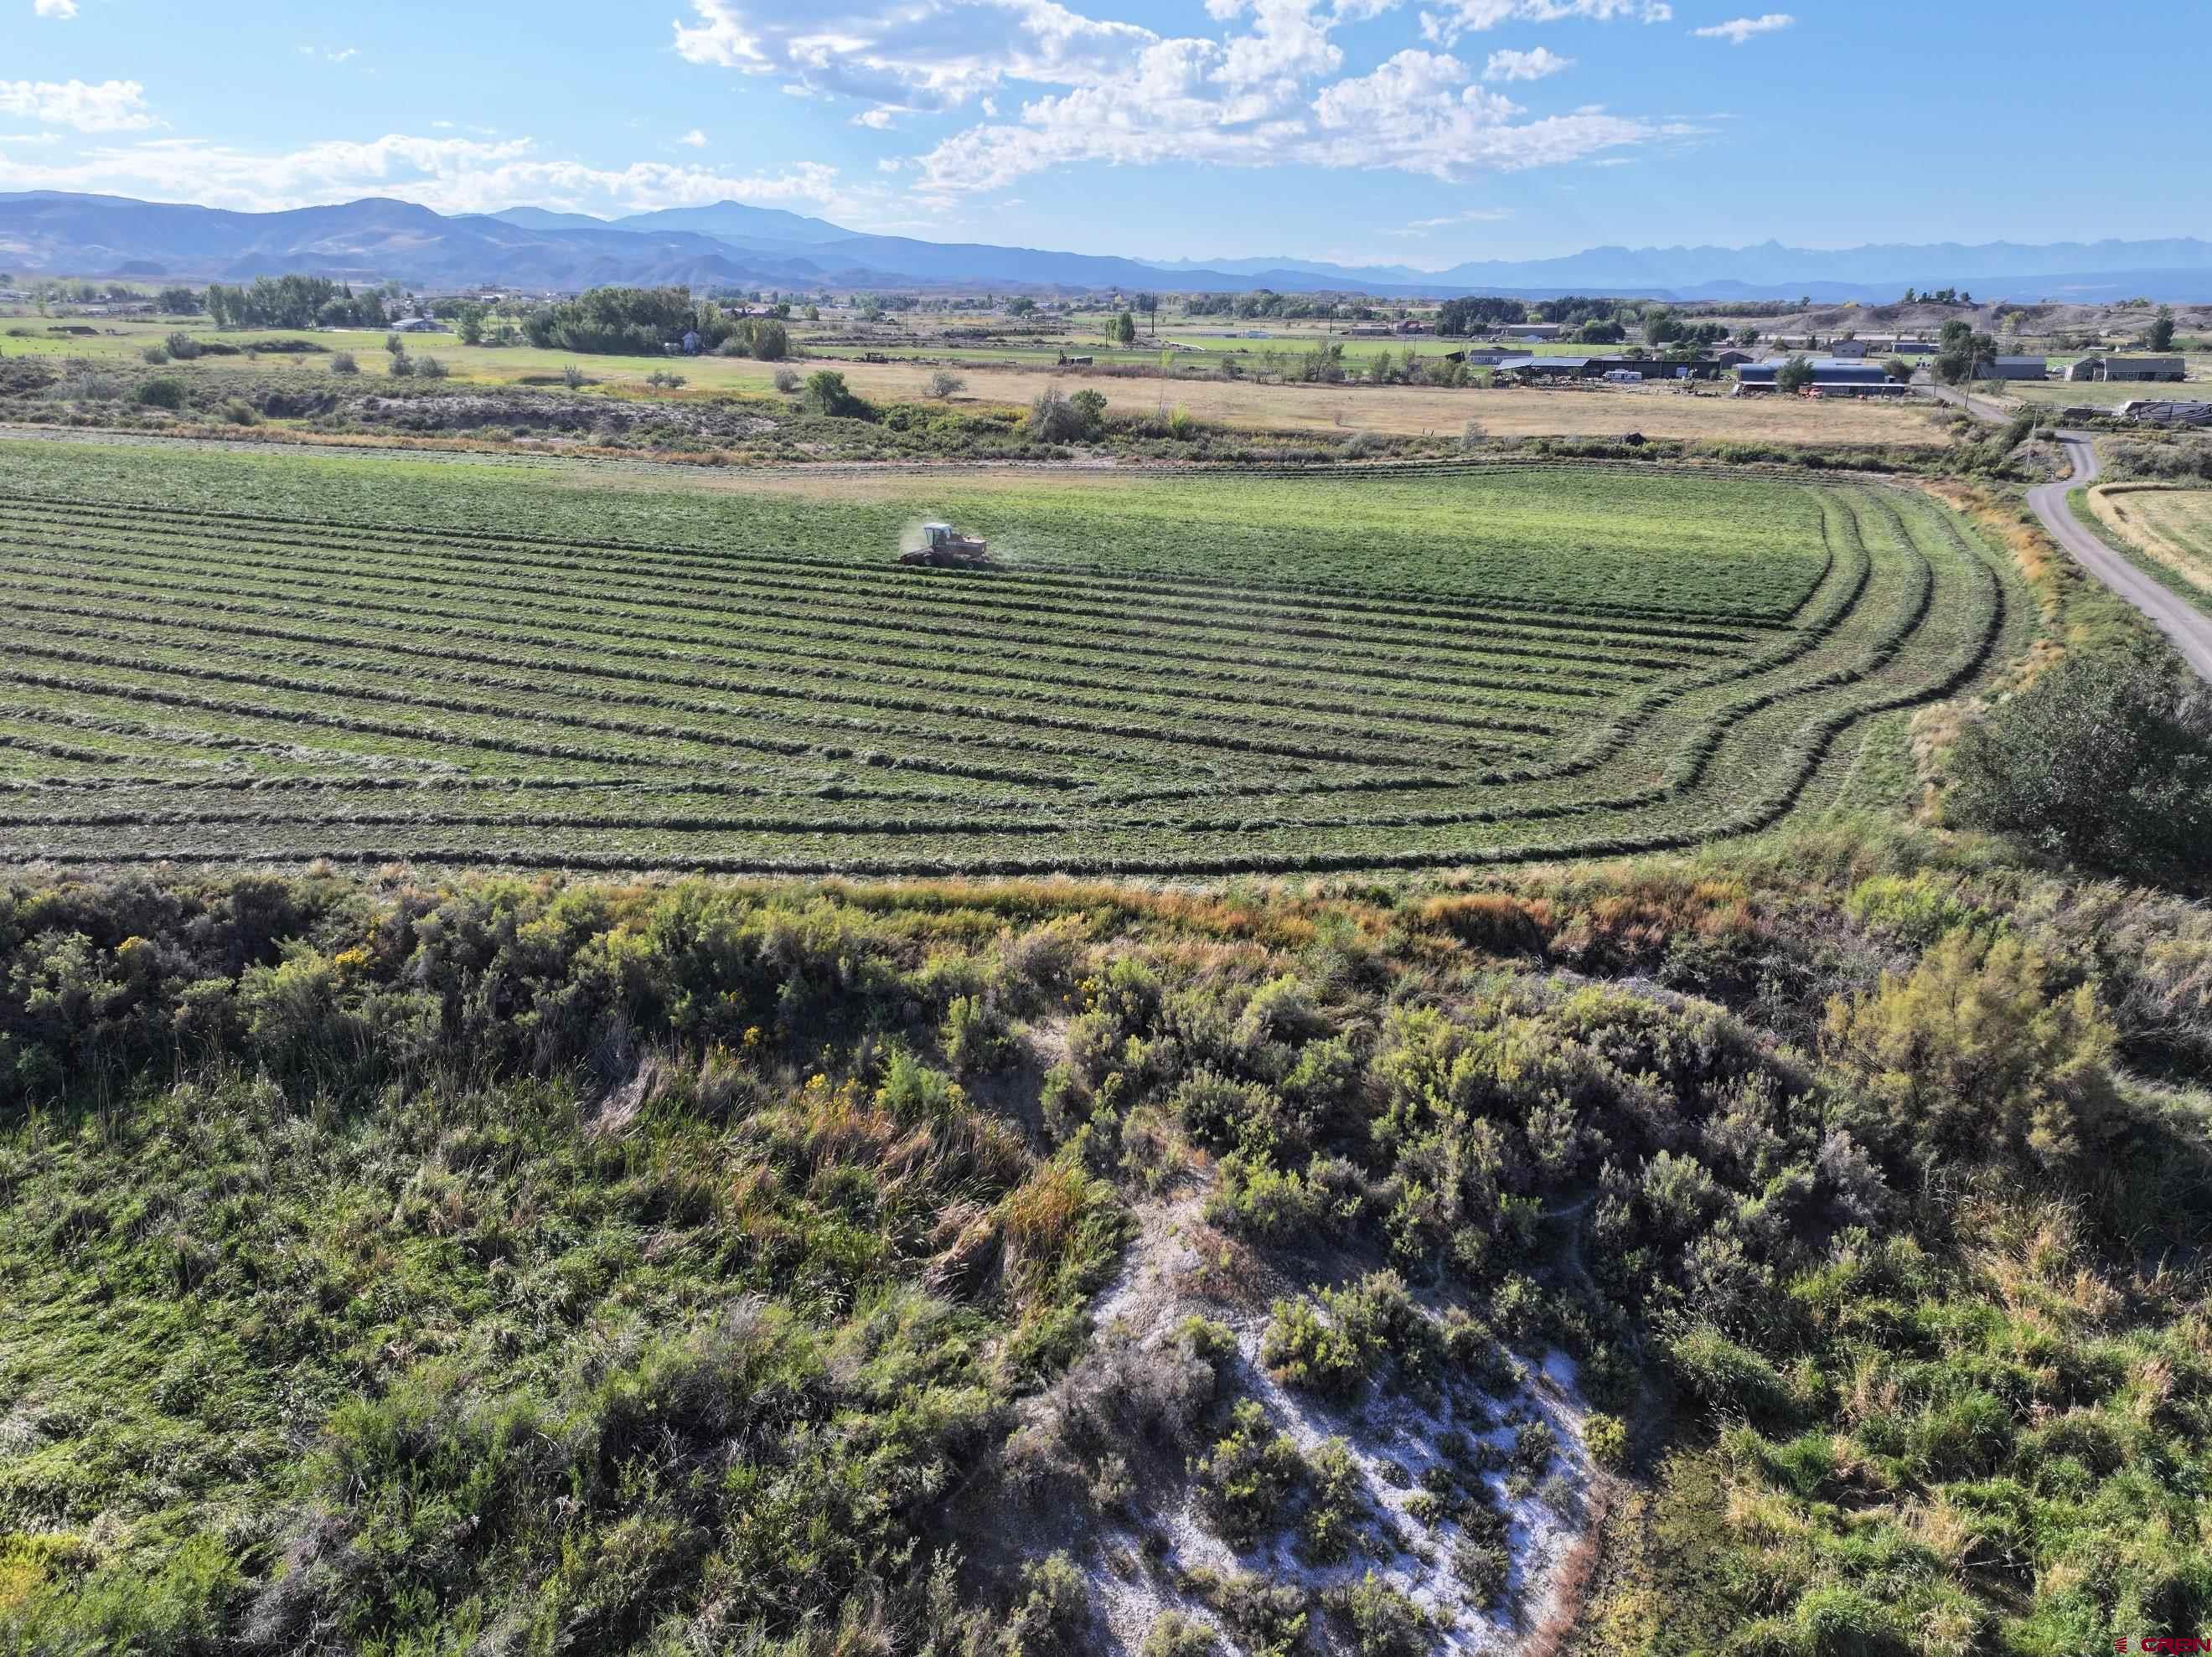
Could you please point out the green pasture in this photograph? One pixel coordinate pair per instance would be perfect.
(268, 654)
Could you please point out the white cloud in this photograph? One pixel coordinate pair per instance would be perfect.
(1288, 43)
(1416, 113)
(695, 139)
(108, 106)
(341, 54)
(62, 8)
(919, 55)
(452, 175)
(1262, 94)
(1738, 30)
(1525, 65)
(1461, 17)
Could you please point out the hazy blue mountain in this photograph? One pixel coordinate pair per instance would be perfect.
(370, 240)
(729, 244)
(735, 219)
(1342, 273)
(540, 218)
(1773, 268)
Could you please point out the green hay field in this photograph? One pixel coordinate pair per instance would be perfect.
(247, 656)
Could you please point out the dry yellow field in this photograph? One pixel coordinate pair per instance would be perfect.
(1402, 411)
(2172, 526)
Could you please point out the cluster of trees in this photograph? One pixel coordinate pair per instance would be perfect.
(1266, 302)
(645, 321)
(827, 393)
(627, 321)
(1475, 314)
(1939, 297)
(1665, 328)
(1058, 417)
(1570, 308)
(296, 302)
(1964, 352)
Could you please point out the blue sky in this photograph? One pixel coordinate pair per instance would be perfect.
(1415, 131)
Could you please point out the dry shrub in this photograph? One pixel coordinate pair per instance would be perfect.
(967, 1247)
(1629, 927)
(1122, 1395)
(1496, 923)
(1049, 1222)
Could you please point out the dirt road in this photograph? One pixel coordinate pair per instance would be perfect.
(1980, 407)
(2189, 627)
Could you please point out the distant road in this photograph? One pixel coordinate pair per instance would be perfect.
(2189, 627)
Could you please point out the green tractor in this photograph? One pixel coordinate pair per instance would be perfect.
(944, 547)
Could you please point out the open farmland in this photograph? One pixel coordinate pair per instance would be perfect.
(1246, 405)
(250, 657)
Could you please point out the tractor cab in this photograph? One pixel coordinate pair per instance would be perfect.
(944, 547)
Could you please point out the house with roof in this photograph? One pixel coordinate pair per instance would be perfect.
(2129, 367)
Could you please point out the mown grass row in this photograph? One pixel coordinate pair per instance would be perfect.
(808, 651)
(637, 622)
(633, 743)
(1378, 725)
(356, 670)
(1728, 740)
(410, 510)
(1580, 808)
(1015, 587)
(465, 708)
(828, 605)
(1603, 743)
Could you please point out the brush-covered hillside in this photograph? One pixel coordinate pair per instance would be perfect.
(1791, 1252)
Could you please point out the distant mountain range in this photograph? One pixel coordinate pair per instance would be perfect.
(730, 244)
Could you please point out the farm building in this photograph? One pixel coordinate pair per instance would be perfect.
(419, 325)
(2016, 368)
(2129, 367)
(1555, 368)
(1369, 330)
(1528, 331)
(2154, 411)
(1833, 376)
(1850, 348)
(1550, 368)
